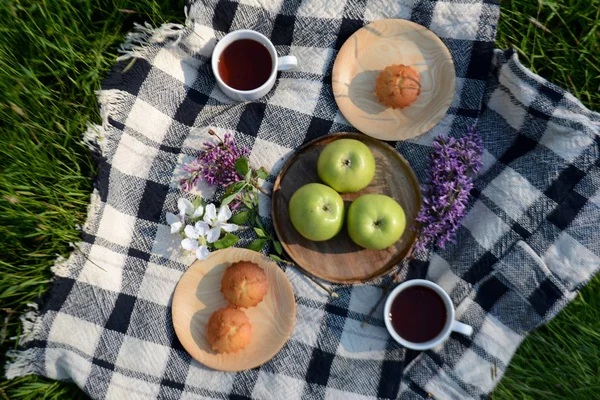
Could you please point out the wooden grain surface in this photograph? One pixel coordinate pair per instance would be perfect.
(380, 44)
(198, 295)
(340, 259)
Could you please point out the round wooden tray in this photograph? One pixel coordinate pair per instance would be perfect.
(339, 259)
(380, 44)
(198, 295)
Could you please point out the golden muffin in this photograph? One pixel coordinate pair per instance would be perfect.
(244, 284)
(228, 330)
(398, 86)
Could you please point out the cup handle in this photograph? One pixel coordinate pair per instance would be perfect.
(461, 328)
(287, 62)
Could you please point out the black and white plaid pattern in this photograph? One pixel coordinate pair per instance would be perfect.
(529, 242)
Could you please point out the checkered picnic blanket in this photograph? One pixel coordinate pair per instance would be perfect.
(528, 243)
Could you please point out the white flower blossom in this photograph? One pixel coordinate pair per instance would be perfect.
(197, 239)
(200, 235)
(218, 221)
(186, 211)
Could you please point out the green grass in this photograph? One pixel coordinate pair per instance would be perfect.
(557, 39)
(54, 54)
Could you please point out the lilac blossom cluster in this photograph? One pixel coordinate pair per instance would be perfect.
(215, 164)
(452, 166)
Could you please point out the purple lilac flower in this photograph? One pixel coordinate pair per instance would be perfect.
(452, 165)
(215, 164)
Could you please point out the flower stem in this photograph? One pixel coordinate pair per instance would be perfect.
(325, 288)
(385, 289)
(262, 190)
(213, 133)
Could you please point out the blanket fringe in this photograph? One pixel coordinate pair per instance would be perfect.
(97, 137)
(92, 210)
(109, 100)
(191, 10)
(20, 362)
(137, 42)
(29, 321)
(94, 138)
(61, 266)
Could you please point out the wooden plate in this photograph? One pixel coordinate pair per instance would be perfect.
(339, 259)
(380, 44)
(198, 295)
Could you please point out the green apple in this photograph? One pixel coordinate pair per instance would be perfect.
(375, 221)
(317, 211)
(347, 165)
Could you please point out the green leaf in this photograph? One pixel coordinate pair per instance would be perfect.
(258, 244)
(226, 241)
(278, 247)
(198, 201)
(241, 166)
(235, 187)
(229, 198)
(240, 218)
(275, 258)
(260, 233)
(258, 221)
(262, 173)
(249, 200)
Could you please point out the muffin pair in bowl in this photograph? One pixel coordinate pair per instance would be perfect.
(244, 284)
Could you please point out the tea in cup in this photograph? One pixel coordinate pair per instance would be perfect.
(245, 65)
(420, 315)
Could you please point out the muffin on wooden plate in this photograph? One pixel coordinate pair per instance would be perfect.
(244, 284)
(228, 330)
(398, 86)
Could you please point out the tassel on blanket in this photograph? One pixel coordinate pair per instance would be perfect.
(137, 41)
(20, 362)
(97, 137)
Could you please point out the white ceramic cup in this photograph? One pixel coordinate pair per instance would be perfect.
(279, 64)
(451, 323)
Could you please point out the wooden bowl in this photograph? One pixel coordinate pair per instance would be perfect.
(339, 259)
(198, 295)
(380, 44)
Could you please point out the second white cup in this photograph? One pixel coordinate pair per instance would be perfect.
(278, 64)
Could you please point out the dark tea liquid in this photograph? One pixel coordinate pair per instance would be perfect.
(418, 314)
(245, 64)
